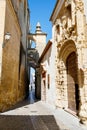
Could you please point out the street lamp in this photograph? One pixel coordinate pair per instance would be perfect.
(7, 38)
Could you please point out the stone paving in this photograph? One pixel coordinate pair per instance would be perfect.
(37, 115)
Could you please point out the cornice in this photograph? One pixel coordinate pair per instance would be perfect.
(37, 34)
(56, 10)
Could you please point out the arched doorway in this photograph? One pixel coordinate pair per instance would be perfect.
(68, 55)
(72, 82)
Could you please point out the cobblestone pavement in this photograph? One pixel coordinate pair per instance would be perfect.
(31, 114)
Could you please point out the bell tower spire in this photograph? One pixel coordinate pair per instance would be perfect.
(38, 28)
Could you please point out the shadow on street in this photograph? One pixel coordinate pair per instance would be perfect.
(27, 122)
(30, 100)
(21, 122)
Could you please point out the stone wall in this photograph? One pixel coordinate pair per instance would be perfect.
(69, 32)
(10, 61)
(14, 78)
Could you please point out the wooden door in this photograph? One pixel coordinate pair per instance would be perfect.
(72, 81)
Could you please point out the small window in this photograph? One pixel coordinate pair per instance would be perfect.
(58, 29)
(69, 11)
(48, 81)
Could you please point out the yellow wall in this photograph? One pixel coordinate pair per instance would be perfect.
(14, 80)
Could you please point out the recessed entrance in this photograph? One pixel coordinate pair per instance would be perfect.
(72, 82)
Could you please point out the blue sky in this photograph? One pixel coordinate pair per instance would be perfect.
(40, 11)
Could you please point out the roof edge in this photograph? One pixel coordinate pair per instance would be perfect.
(54, 10)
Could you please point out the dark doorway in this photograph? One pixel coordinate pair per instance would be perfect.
(77, 96)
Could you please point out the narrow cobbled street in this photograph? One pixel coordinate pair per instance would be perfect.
(28, 115)
(32, 114)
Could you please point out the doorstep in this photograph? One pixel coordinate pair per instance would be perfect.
(71, 112)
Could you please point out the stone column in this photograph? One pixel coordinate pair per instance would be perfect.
(80, 20)
(82, 58)
(62, 100)
(83, 84)
(73, 12)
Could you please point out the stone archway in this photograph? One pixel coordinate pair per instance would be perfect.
(72, 82)
(68, 56)
(33, 55)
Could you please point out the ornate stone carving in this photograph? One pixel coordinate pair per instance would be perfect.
(79, 5)
(68, 32)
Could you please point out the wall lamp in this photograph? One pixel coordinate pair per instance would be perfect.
(7, 38)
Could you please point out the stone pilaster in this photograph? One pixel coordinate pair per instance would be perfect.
(83, 84)
(62, 100)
